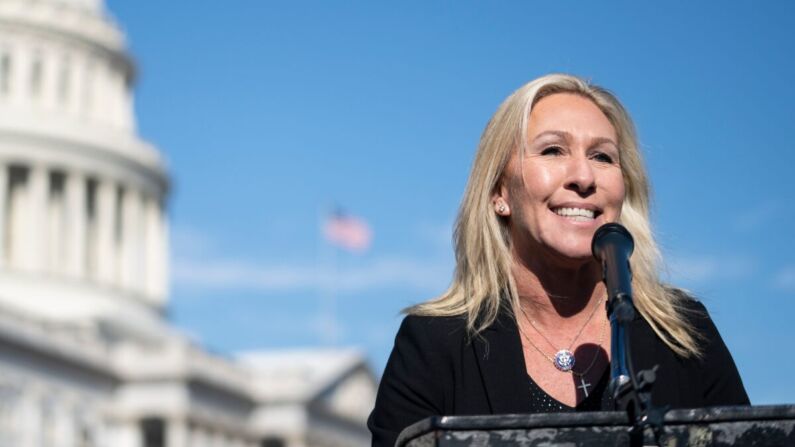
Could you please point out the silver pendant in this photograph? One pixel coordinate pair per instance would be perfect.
(584, 386)
(564, 360)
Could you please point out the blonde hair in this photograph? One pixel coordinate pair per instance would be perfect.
(483, 277)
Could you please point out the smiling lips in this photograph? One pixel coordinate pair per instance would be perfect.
(576, 214)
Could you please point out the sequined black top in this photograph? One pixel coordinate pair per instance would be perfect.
(598, 399)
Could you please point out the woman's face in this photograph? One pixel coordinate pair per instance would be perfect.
(566, 184)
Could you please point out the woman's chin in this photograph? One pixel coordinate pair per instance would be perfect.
(575, 255)
(563, 252)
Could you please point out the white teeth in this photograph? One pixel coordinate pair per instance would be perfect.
(577, 214)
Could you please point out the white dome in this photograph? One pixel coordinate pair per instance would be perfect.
(82, 196)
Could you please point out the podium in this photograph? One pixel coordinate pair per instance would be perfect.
(772, 425)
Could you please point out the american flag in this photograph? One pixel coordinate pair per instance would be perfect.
(348, 232)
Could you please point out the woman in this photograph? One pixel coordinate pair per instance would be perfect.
(522, 328)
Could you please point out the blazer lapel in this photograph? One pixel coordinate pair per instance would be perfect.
(501, 361)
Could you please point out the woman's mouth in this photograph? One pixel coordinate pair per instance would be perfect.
(576, 214)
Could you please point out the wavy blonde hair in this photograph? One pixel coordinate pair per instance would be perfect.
(483, 277)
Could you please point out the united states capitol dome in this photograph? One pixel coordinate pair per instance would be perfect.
(83, 227)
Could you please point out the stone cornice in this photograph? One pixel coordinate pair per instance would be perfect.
(183, 363)
(76, 347)
(60, 133)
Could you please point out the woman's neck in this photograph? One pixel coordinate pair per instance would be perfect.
(557, 293)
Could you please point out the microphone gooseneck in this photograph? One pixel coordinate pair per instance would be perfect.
(612, 246)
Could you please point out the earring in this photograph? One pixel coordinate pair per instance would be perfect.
(501, 208)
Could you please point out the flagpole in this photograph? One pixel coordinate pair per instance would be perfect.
(331, 317)
(341, 231)
(326, 282)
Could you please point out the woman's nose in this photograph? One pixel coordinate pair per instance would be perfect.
(581, 178)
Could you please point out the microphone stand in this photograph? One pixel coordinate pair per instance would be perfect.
(631, 392)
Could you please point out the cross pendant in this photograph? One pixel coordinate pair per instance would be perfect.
(584, 386)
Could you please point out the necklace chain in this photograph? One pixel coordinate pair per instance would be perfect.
(551, 359)
(573, 341)
(596, 354)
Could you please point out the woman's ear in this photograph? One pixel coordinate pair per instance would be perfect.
(500, 202)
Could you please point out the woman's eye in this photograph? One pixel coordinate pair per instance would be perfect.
(604, 158)
(552, 150)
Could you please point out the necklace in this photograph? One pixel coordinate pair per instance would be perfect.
(564, 358)
(583, 384)
(580, 375)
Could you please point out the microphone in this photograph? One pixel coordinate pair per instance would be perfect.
(612, 245)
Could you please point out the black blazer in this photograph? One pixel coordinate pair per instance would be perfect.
(435, 369)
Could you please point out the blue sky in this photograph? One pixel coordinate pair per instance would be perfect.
(269, 113)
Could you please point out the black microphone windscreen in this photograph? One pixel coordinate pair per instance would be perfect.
(614, 234)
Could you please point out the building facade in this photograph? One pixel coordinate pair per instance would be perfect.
(86, 355)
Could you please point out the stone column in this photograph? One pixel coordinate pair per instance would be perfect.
(102, 111)
(162, 284)
(87, 93)
(131, 239)
(63, 425)
(150, 245)
(5, 73)
(3, 213)
(20, 63)
(154, 253)
(66, 84)
(76, 214)
(35, 256)
(128, 434)
(77, 69)
(218, 439)
(30, 420)
(128, 118)
(107, 213)
(176, 433)
(55, 226)
(124, 215)
(49, 79)
(115, 87)
(195, 437)
(16, 219)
